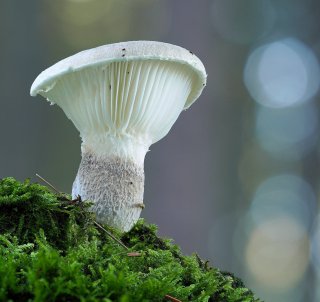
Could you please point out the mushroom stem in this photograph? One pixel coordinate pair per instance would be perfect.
(114, 181)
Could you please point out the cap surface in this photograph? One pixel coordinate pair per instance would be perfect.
(123, 51)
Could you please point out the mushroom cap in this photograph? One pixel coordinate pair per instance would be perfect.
(124, 51)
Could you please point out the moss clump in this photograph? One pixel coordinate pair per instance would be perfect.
(51, 250)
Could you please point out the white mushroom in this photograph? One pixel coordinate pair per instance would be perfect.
(122, 98)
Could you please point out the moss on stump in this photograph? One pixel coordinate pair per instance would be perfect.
(51, 250)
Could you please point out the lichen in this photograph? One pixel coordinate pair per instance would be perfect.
(51, 250)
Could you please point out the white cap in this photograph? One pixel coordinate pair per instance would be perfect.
(124, 51)
(124, 96)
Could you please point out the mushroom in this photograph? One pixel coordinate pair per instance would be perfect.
(122, 98)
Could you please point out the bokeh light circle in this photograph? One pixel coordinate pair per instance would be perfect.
(277, 253)
(315, 245)
(287, 133)
(282, 73)
(284, 195)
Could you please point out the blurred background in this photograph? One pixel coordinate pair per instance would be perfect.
(237, 178)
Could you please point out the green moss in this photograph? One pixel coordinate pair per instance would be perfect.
(50, 250)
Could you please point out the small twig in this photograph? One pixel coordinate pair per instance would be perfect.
(110, 235)
(77, 200)
(172, 298)
(49, 184)
(134, 254)
(130, 254)
(140, 205)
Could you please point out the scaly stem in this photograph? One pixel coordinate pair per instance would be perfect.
(115, 186)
